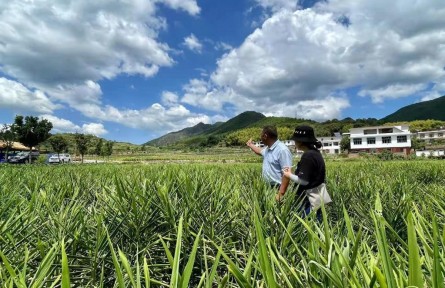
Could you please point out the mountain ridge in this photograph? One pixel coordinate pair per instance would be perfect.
(200, 133)
(426, 110)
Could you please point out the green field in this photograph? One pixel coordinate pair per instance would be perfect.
(217, 225)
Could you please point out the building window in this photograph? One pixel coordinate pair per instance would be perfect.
(325, 144)
(357, 141)
(386, 140)
(440, 135)
(386, 130)
(431, 135)
(422, 135)
(402, 139)
(370, 131)
(335, 143)
(370, 140)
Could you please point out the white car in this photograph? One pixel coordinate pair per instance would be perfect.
(59, 158)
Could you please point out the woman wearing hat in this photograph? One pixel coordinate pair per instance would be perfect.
(311, 170)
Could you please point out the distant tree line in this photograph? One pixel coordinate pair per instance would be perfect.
(33, 132)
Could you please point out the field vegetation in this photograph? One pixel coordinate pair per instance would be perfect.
(218, 225)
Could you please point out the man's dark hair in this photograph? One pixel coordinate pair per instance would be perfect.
(271, 131)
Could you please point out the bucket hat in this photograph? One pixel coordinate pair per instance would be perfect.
(304, 134)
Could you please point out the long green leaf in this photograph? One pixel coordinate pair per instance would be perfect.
(265, 263)
(438, 281)
(65, 269)
(415, 270)
(120, 277)
(189, 267)
(174, 281)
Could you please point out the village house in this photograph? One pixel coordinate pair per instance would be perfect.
(396, 139)
(431, 135)
(331, 145)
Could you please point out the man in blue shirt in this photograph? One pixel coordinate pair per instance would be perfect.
(276, 156)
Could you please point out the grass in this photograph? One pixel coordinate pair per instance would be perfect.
(217, 225)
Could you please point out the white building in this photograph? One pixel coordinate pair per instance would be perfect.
(259, 144)
(396, 139)
(430, 153)
(430, 135)
(331, 145)
(288, 143)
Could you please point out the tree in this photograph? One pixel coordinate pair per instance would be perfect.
(81, 144)
(98, 150)
(417, 144)
(108, 149)
(58, 143)
(30, 131)
(345, 143)
(8, 137)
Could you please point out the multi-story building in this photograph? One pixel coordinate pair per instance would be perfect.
(396, 139)
(431, 135)
(331, 145)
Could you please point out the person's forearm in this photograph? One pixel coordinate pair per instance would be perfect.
(298, 180)
(284, 185)
(255, 149)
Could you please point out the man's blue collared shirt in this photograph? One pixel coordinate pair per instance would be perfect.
(275, 158)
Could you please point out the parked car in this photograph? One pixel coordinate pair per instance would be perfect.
(59, 158)
(23, 157)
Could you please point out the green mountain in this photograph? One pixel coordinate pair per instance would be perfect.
(244, 125)
(201, 132)
(241, 121)
(173, 137)
(433, 109)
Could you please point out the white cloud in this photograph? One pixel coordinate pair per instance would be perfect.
(201, 93)
(193, 43)
(276, 5)
(223, 46)
(319, 109)
(70, 42)
(187, 5)
(392, 91)
(17, 97)
(64, 48)
(97, 129)
(307, 55)
(61, 125)
(169, 98)
(430, 96)
(155, 118)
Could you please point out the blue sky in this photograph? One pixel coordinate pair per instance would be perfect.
(135, 70)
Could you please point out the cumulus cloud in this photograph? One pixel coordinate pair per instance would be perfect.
(223, 46)
(392, 91)
(64, 48)
(276, 5)
(156, 118)
(169, 98)
(193, 43)
(187, 5)
(201, 93)
(61, 125)
(97, 129)
(17, 97)
(70, 42)
(306, 56)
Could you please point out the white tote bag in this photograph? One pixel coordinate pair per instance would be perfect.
(318, 195)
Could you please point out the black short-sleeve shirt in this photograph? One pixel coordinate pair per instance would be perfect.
(312, 169)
